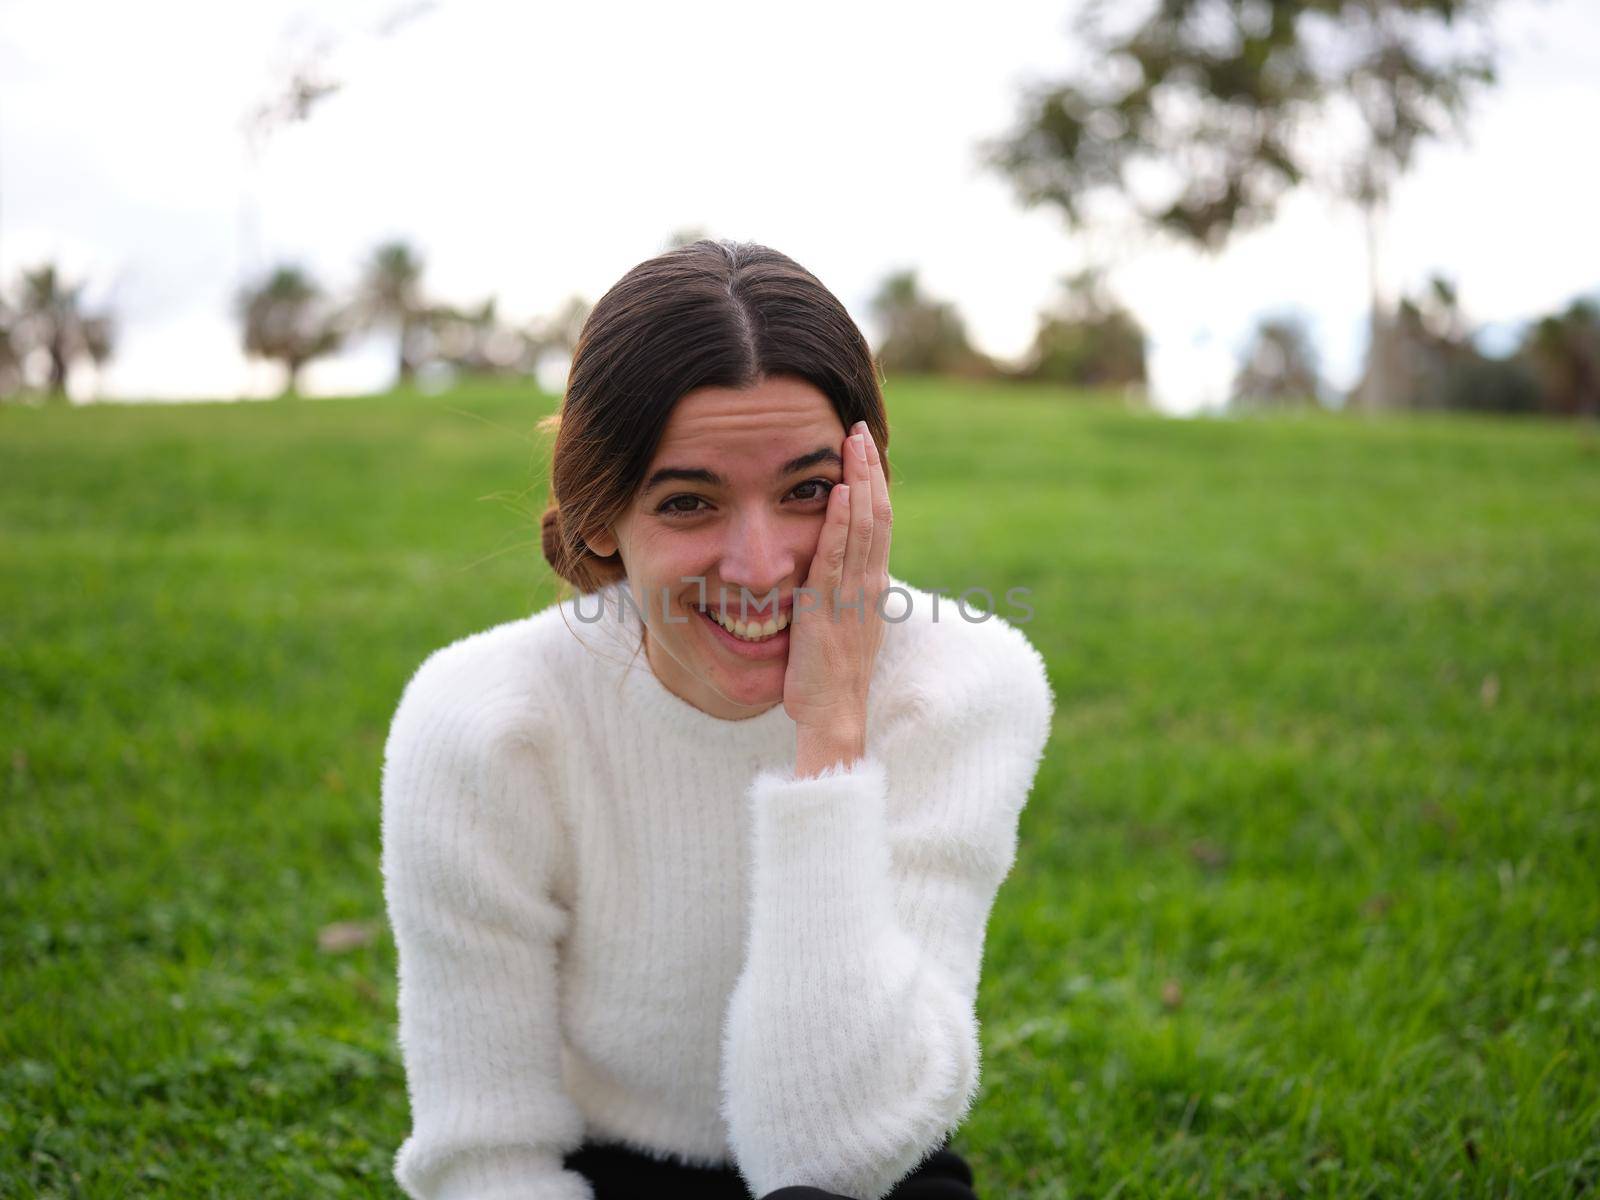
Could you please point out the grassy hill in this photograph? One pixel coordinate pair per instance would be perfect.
(1306, 902)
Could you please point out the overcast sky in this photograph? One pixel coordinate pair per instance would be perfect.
(536, 151)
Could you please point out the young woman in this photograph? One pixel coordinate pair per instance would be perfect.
(689, 902)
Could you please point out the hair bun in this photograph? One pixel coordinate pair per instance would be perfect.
(552, 539)
(570, 557)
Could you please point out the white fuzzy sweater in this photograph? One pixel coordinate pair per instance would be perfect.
(621, 918)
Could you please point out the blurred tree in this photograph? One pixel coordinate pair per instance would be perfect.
(10, 353)
(99, 337)
(1415, 346)
(1197, 117)
(1279, 368)
(474, 341)
(1086, 338)
(1563, 351)
(288, 318)
(921, 335)
(687, 236)
(1431, 360)
(455, 333)
(558, 333)
(1477, 382)
(300, 86)
(50, 316)
(390, 294)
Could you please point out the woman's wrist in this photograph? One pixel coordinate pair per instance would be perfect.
(820, 747)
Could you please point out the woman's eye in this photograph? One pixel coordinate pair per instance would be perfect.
(671, 505)
(825, 484)
(686, 504)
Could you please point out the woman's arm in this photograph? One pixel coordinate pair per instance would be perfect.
(469, 840)
(851, 1039)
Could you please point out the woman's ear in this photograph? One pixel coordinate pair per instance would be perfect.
(602, 544)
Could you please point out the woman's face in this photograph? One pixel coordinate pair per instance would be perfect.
(735, 495)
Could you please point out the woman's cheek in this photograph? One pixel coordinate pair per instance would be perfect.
(808, 549)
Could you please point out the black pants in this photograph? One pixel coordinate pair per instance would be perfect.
(621, 1173)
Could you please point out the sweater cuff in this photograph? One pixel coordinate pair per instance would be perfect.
(502, 1173)
(821, 888)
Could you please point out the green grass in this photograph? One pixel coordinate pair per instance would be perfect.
(1306, 903)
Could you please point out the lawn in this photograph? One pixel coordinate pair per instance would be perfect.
(1306, 903)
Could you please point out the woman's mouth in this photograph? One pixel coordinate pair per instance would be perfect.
(767, 638)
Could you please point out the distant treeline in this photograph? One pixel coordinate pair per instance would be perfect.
(1084, 339)
(289, 318)
(1423, 356)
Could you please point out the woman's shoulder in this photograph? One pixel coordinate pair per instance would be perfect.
(471, 759)
(960, 654)
(495, 685)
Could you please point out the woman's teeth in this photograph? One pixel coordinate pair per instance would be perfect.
(750, 631)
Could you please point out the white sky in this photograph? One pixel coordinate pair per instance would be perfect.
(534, 151)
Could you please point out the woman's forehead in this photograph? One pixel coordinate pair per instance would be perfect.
(769, 421)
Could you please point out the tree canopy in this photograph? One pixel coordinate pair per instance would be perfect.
(921, 335)
(1200, 115)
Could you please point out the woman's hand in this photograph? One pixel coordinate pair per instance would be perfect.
(836, 627)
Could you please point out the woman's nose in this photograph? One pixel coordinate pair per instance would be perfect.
(755, 555)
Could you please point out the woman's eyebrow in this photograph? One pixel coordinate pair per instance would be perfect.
(823, 454)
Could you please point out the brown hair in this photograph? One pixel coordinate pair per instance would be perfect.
(714, 313)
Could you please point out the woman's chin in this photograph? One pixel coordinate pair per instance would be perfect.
(754, 687)
(750, 685)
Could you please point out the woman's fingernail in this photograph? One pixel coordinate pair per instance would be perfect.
(859, 443)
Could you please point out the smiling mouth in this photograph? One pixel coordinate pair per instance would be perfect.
(749, 631)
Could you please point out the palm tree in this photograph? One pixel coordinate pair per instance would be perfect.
(287, 318)
(51, 315)
(391, 294)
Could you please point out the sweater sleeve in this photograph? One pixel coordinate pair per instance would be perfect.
(469, 838)
(851, 1038)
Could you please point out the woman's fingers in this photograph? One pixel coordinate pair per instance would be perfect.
(882, 513)
(859, 475)
(827, 565)
(853, 551)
